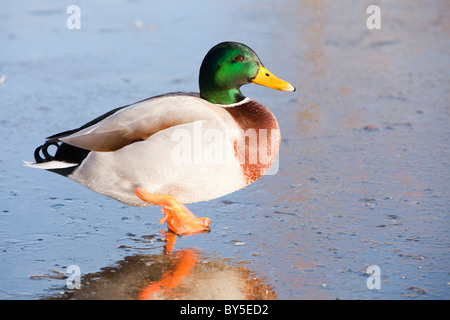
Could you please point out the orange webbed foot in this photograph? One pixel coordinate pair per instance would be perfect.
(179, 219)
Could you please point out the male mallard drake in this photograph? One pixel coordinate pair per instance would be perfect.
(178, 147)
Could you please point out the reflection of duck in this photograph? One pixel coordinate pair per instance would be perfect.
(185, 260)
(185, 274)
(129, 151)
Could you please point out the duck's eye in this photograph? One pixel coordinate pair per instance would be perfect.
(239, 58)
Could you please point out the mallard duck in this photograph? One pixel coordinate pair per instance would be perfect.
(177, 148)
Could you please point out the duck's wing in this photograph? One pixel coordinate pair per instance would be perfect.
(136, 122)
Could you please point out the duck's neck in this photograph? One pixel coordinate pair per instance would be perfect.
(220, 95)
(218, 89)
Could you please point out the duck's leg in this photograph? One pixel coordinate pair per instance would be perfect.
(179, 219)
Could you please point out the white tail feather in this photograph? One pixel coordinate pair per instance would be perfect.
(50, 165)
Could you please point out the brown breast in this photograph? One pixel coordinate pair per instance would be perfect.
(258, 142)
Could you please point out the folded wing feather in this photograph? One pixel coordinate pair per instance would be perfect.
(140, 121)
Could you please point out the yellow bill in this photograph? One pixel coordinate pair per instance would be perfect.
(267, 79)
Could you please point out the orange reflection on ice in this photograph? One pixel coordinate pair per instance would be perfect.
(184, 262)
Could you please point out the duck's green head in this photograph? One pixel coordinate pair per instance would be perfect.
(228, 66)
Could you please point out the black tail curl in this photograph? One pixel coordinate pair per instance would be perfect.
(44, 150)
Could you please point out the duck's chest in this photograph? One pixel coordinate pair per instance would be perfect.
(257, 143)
